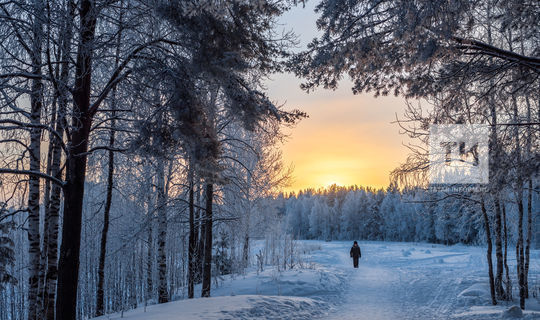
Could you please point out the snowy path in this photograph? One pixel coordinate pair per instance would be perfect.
(407, 281)
(388, 285)
(371, 295)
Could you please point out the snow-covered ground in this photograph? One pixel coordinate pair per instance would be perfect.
(394, 281)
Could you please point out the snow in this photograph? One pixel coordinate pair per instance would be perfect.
(227, 307)
(476, 290)
(512, 312)
(393, 281)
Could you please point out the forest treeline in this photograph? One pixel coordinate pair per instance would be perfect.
(411, 215)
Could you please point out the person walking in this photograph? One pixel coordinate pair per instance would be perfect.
(355, 254)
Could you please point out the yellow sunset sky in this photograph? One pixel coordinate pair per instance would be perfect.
(347, 139)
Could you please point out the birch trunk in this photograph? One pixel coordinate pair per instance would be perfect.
(529, 203)
(489, 253)
(163, 295)
(34, 245)
(207, 264)
(53, 214)
(202, 237)
(149, 264)
(498, 250)
(100, 294)
(150, 239)
(192, 240)
(519, 251)
(518, 192)
(245, 249)
(197, 222)
(506, 269)
(47, 204)
(494, 179)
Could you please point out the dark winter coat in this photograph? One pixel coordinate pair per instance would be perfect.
(355, 252)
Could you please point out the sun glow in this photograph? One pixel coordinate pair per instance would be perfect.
(347, 139)
(328, 179)
(334, 182)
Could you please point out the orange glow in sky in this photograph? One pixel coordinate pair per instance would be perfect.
(347, 139)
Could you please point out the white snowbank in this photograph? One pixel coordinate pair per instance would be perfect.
(313, 282)
(231, 307)
(512, 313)
(476, 294)
(476, 290)
(498, 312)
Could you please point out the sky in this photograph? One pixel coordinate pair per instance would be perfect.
(348, 139)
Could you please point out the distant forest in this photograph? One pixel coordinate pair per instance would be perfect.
(349, 213)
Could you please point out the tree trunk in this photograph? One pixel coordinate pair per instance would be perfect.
(100, 294)
(53, 214)
(46, 205)
(202, 237)
(34, 241)
(207, 266)
(197, 222)
(498, 250)
(519, 245)
(507, 270)
(489, 253)
(529, 202)
(529, 237)
(519, 252)
(518, 192)
(131, 277)
(68, 275)
(149, 292)
(163, 295)
(192, 240)
(494, 176)
(66, 304)
(149, 261)
(245, 250)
